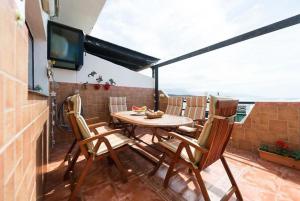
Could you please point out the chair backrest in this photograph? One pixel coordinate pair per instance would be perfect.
(220, 131)
(195, 107)
(174, 105)
(79, 127)
(117, 104)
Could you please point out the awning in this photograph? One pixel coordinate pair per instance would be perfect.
(122, 56)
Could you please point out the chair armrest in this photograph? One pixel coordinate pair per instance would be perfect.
(187, 141)
(98, 136)
(200, 121)
(92, 120)
(96, 125)
(198, 126)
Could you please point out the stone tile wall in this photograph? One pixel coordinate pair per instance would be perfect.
(23, 115)
(266, 123)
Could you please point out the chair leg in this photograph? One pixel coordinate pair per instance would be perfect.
(110, 161)
(201, 184)
(81, 179)
(161, 160)
(70, 150)
(114, 157)
(72, 164)
(120, 167)
(172, 164)
(231, 178)
(169, 174)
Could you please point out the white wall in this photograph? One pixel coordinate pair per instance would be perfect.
(37, 21)
(122, 76)
(40, 65)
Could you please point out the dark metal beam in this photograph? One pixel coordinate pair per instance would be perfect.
(246, 36)
(156, 92)
(153, 73)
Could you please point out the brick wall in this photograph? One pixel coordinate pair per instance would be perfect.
(23, 115)
(267, 123)
(95, 102)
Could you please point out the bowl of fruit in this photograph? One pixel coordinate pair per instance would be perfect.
(139, 110)
(150, 114)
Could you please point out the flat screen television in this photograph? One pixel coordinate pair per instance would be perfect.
(65, 46)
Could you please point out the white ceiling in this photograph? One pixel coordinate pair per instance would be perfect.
(81, 14)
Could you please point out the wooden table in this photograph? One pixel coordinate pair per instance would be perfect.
(166, 121)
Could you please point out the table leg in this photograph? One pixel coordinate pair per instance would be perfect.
(153, 130)
(132, 131)
(154, 134)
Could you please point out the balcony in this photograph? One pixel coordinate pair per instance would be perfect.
(37, 121)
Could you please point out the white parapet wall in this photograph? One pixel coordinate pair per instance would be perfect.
(122, 76)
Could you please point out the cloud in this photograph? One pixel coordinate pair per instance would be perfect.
(265, 66)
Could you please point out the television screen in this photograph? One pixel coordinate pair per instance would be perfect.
(65, 46)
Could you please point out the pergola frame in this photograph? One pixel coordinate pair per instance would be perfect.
(246, 36)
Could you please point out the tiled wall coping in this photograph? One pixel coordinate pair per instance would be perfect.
(80, 85)
(38, 93)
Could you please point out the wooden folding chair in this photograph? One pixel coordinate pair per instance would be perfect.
(93, 122)
(93, 145)
(195, 109)
(174, 106)
(210, 146)
(117, 104)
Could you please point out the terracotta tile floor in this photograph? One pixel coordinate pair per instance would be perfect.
(256, 178)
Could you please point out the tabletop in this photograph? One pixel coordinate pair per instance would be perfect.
(165, 121)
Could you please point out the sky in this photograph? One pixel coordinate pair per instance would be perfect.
(266, 67)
